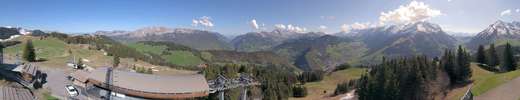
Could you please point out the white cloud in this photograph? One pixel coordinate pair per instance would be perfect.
(279, 26)
(355, 26)
(328, 17)
(449, 0)
(358, 26)
(345, 28)
(290, 28)
(505, 12)
(254, 24)
(322, 28)
(203, 21)
(413, 12)
(517, 10)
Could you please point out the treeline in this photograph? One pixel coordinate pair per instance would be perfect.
(457, 65)
(415, 78)
(345, 87)
(311, 76)
(398, 79)
(491, 60)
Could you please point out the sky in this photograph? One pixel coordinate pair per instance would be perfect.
(234, 17)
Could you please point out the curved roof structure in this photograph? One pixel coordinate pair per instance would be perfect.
(149, 86)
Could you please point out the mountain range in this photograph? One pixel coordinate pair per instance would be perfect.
(497, 32)
(198, 39)
(320, 51)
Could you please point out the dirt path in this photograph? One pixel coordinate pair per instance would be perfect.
(507, 91)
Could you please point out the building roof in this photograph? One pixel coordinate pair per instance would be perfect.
(26, 68)
(153, 83)
(10, 93)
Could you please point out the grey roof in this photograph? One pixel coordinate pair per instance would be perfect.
(153, 83)
(10, 93)
(26, 68)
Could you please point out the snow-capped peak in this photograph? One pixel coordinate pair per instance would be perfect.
(423, 27)
(501, 27)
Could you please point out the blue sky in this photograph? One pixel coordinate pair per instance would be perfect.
(232, 17)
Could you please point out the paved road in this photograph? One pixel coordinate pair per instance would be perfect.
(506, 91)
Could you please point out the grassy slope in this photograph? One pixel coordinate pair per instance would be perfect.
(55, 53)
(491, 81)
(175, 57)
(483, 81)
(315, 89)
(46, 48)
(183, 58)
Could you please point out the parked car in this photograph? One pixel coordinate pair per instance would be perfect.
(72, 90)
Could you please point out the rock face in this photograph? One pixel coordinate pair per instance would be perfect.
(499, 30)
(198, 39)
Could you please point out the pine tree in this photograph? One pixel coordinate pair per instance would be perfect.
(493, 57)
(116, 61)
(450, 66)
(481, 55)
(509, 62)
(28, 52)
(464, 70)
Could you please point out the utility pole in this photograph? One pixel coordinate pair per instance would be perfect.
(244, 93)
(1, 54)
(221, 95)
(108, 82)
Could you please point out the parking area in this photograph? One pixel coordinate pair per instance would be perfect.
(56, 82)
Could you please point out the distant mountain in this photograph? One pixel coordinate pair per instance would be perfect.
(405, 40)
(261, 41)
(198, 39)
(364, 46)
(462, 37)
(496, 32)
